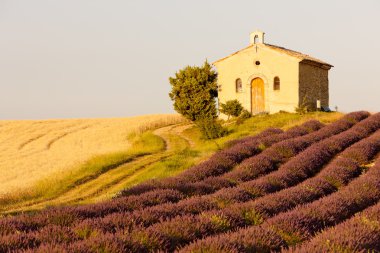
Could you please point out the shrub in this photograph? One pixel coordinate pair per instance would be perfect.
(231, 108)
(245, 114)
(210, 128)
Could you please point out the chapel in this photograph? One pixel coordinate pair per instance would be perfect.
(269, 78)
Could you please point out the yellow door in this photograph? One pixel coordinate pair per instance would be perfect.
(257, 96)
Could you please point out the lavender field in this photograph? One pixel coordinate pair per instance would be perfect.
(311, 188)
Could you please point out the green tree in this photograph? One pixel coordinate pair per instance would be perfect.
(194, 90)
(231, 108)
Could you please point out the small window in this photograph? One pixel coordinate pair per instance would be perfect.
(276, 83)
(238, 85)
(257, 63)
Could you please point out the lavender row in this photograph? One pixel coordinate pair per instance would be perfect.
(215, 163)
(345, 167)
(160, 196)
(269, 160)
(228, 195)
(271, 157)
(129, 203)
(246, 170)
(183, 229)
(225, 160)
(198, 204)
(302, 166)
(300, 224)
(358, 234)
(267, 132)
(280, 153)
(188, 227)
(65, 216)
(247, 147)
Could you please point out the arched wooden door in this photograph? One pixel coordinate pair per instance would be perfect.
(257, 96)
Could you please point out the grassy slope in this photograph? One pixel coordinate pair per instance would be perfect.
(165, 152)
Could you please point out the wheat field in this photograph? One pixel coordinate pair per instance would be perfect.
(34, 149)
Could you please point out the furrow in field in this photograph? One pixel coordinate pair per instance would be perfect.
(22, 145)
(37, 144)
(361, 233)
(51, 142)
(302, 223)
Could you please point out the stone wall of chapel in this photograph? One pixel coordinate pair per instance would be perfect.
(314, 85)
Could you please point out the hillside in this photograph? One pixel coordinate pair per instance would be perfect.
(37, 154)
(312, 188)
(56, 162)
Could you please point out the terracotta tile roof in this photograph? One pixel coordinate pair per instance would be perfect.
(301, 56)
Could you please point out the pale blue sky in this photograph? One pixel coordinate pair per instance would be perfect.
(112, 58)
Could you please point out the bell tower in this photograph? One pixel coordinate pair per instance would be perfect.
(256, 37)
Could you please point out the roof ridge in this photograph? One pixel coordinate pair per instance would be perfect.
(298, 54)
(287, 51)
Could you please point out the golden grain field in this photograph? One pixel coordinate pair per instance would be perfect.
(33, 149)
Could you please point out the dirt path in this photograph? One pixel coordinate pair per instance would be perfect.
(179, 131)
(163, 132)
